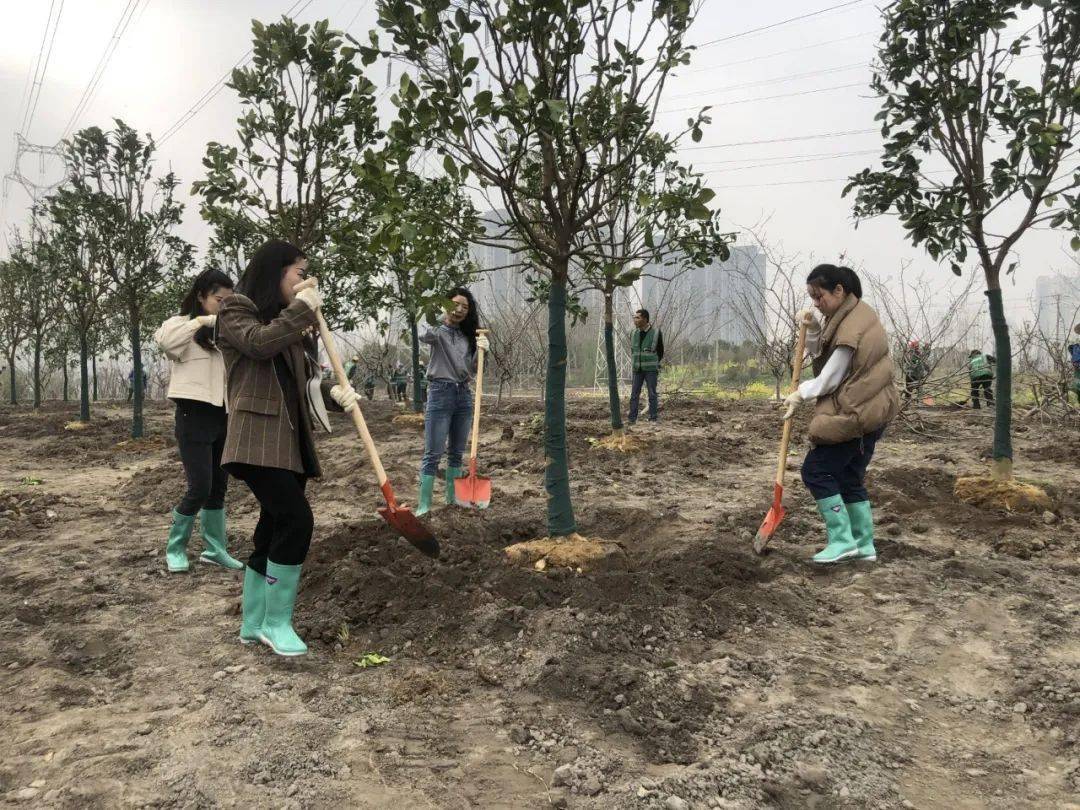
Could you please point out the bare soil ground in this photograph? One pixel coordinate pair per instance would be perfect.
(695, 675)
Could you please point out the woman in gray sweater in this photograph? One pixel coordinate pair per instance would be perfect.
(449, 407)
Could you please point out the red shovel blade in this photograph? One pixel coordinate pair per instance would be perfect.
(404, 522)
(772, 520)
(472, 492)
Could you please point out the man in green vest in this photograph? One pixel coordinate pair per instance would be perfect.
(647, 347)
(981, 372)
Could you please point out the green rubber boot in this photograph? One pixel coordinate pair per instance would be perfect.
(176, 547)
(212, 522)
(252, 605)
(862, 529)
(427, 489)
(277, 631)
(452, 474)
(841, 545)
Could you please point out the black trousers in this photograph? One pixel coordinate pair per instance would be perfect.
(283, 533)
(840, 469)
(987, 385)
(200, 435)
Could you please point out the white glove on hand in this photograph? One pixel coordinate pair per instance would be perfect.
(807, 316)
(791, 402)
(345, 397)
(482, 342)
(310, 294)
(205, 320)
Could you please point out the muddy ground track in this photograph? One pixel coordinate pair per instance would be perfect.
(945, 674)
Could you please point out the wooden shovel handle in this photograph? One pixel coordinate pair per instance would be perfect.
(785, 438)
(477, 397)
(358, 417)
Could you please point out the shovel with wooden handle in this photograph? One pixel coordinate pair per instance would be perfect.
(474, 491)
(398, 516)
(776, 511)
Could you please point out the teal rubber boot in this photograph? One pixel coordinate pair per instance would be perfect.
(427, 489)
(841, 545)
(862, 529)
(277, 631)
(452, 474)
(176, 547)
(212, 522)
(252, 605)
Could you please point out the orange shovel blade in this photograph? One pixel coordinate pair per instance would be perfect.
(408, 525)
(472, 492)
(772, 520)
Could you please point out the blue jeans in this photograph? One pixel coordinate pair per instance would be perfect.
(447, 421)
(649, 378)
(840, 469)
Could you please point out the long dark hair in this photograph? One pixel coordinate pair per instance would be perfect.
(206, 283)
(472, 320)
(261, 281)
(827, 276)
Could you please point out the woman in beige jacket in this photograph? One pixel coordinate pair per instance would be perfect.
(855, 398)
(197, 387)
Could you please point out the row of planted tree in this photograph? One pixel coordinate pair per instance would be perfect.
(551, 108)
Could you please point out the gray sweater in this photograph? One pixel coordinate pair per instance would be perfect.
(450, 356)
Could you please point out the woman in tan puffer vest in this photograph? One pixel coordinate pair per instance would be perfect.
(855, 397)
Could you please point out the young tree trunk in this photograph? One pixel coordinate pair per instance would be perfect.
(137, 381)
(93, 364)
(11, 376)
(1003, 451)
(560, 510)
(63, 363)
(609, 357)
(84, 379)
(38, 338)
(417, 403)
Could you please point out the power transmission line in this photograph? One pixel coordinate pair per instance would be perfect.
(42, 65)
(766, 98)
(785, 158)
(99, 70)
(790, 139)
(219, 85)
(792, 161)
(774, 54)
(770, 26)
(776, 80)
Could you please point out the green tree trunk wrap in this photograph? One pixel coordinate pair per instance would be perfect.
(1003, 378)
(560, 510)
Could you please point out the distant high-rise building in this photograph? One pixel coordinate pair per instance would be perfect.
(702, 305)
(1057, 299)
(698, 305)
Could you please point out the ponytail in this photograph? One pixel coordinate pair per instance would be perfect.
(828, 276)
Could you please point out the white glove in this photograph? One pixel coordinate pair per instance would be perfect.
(807, 316)
(204, 320)
(345, 397)
(310, 295)
(791, 402)
(482, 342)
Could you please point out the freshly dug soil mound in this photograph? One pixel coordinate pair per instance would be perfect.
(416, 419)
(621, 442)
(576, 552)
(1012, 496)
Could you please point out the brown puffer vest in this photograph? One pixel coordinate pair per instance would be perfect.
(867, 398)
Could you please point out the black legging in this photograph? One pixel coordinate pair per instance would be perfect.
(283, 533)
(200, 435)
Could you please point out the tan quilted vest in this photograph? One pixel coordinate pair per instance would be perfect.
(867, 398)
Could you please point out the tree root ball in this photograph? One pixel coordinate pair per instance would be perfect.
(1010, 495)
(621, 442)
(573, 551)
(409, 418)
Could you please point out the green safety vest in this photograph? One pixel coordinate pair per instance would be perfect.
(980, 367)
(644, 350)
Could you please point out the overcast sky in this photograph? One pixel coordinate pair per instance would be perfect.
(173, 51)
